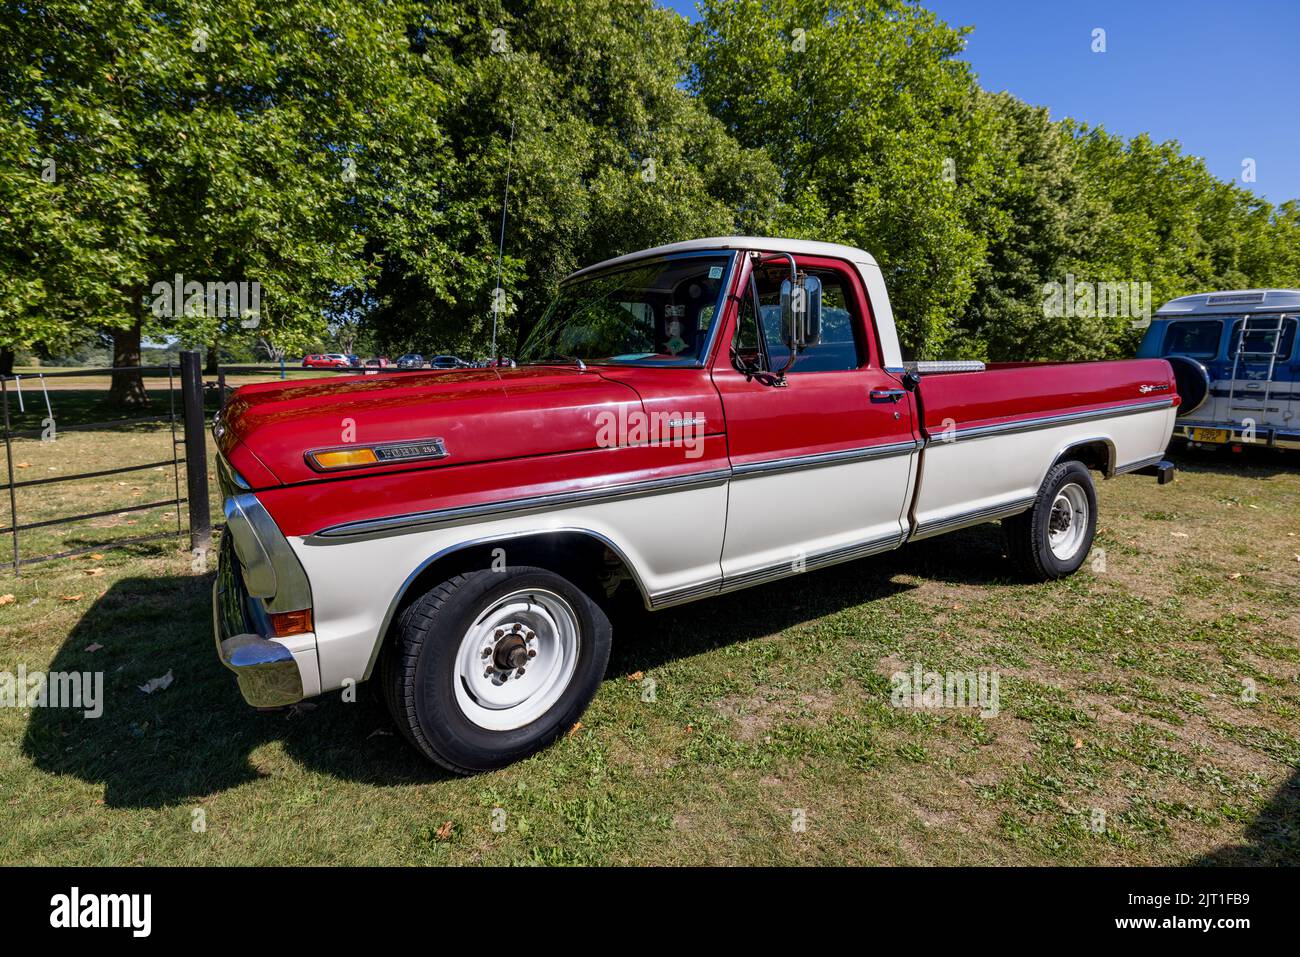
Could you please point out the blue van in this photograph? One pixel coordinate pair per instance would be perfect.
(1235, 357)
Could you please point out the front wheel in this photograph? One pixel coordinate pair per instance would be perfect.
(489, 667)
(1053, 538)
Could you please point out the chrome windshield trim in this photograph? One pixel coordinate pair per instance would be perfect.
(1048, 421)
(446, 516)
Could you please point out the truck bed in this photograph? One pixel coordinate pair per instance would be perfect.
(989, 435)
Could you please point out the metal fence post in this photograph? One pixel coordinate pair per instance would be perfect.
(9, 461)
(196, 455)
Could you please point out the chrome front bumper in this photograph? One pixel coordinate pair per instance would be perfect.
(268, 674)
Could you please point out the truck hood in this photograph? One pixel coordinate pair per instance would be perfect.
(481, 415)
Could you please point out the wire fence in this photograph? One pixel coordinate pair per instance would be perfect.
(12, 395)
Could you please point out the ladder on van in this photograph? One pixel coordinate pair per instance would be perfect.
(1273, 334)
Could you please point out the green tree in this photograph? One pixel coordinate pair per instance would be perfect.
(874, 126)
(608, 154)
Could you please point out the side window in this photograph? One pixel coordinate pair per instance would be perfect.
(840, 348)
(1192, 339)
(1259, 341)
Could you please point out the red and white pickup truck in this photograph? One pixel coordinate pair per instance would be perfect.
(690, 420)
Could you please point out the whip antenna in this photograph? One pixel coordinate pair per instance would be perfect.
(497, 295)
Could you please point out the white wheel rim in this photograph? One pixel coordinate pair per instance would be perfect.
(1067, 524)
(506, 679)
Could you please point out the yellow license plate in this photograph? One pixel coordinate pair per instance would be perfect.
(1211, 435)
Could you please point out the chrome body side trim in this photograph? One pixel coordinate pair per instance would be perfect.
(823, 458)
(445, 516)
(1050, 421)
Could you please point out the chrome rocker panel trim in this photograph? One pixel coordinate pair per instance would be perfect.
(775, 572)
(977, 516)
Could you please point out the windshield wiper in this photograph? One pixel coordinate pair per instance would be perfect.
(574, 360)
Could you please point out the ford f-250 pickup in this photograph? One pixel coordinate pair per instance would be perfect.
(689, 420)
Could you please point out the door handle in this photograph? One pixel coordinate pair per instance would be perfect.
(887, 395)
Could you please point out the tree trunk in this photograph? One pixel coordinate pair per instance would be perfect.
(127, 391)
(211, 368)
(6, 361)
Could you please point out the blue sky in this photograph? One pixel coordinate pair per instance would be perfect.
(1222, 78)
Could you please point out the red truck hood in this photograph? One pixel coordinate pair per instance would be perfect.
(480, 415)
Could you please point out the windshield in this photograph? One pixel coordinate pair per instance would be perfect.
(659, 312)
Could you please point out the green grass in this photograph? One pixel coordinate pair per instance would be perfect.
(1121, 694)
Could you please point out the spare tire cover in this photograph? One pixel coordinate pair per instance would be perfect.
(1193, 381)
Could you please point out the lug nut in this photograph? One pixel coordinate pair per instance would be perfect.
(520, 672)
(532, 636)
(487, 673)
(517, 628)
(532, 652)
(499, 633)
(487, 653)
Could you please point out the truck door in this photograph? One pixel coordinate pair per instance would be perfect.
(822, 464)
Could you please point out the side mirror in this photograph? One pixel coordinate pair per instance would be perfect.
(801, 312)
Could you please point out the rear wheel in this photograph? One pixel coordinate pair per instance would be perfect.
(1053, 538)
(489, 667)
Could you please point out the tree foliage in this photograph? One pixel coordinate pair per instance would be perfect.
(351, 157)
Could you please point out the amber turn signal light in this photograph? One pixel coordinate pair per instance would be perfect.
(286, 623)
(344, 458)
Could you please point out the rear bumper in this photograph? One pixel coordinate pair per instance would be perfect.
(268, 673)
(1267, 436)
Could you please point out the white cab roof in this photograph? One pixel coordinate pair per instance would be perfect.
(1233, 302)
(802, 247)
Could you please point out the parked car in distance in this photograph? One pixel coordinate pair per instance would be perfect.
(378, 362)
(448, 362)
(412, 360)
(329, 360)
(1237, 359)
(731, 412)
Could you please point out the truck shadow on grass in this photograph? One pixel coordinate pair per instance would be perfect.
(1274, 835)
(197, 737)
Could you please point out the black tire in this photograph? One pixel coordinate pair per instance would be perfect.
(1027, 534)
(419, 670)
